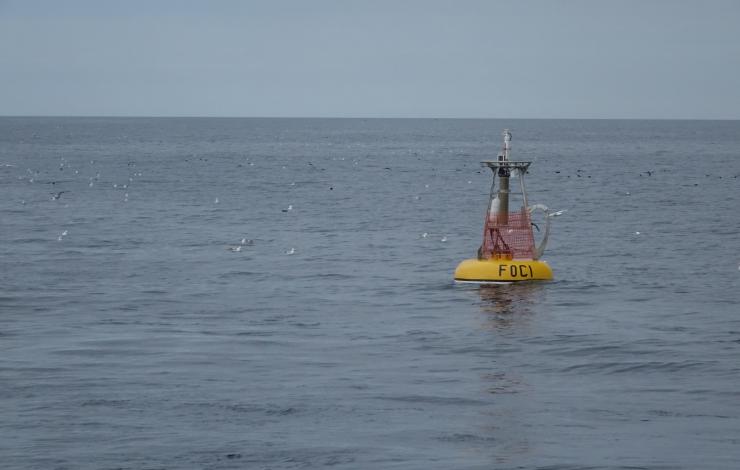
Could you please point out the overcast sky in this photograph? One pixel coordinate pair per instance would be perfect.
(372, 58)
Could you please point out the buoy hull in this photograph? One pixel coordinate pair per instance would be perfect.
(497, 271)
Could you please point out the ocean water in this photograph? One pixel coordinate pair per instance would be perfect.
(132, 336)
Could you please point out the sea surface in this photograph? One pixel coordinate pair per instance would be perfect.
(137, 331)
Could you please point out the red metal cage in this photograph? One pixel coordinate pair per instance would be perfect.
(508, 237)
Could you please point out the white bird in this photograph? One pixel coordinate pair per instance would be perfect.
(555, 214)
(444, 238)
(424, 235)
(235, 249)
(215, 201)
(290, 208)
(290, 252)
(637, 233)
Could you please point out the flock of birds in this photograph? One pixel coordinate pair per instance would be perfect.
(57, 196)
(244, 243)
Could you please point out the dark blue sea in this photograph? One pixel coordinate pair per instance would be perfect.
(138, 331)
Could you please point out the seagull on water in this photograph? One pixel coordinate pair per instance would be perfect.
(56, 196)
(290, 252)
(290, 208)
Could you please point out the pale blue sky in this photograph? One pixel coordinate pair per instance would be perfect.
(372, 58)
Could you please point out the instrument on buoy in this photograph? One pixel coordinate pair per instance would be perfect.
(508, 252)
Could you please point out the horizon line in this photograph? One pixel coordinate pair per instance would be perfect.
(195, 116)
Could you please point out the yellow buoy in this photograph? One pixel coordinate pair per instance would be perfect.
(508, 252)
(500, 271)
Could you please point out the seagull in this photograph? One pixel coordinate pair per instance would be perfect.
(424, 235)
(637, 233)
(215, 201)
(56, 196)
(290, 252)
(555, 214)
(444, 238)
(290, 208)
(64, 234)
(235, 249)
(246, 242)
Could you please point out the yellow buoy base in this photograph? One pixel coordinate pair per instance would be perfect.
(502, 271)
